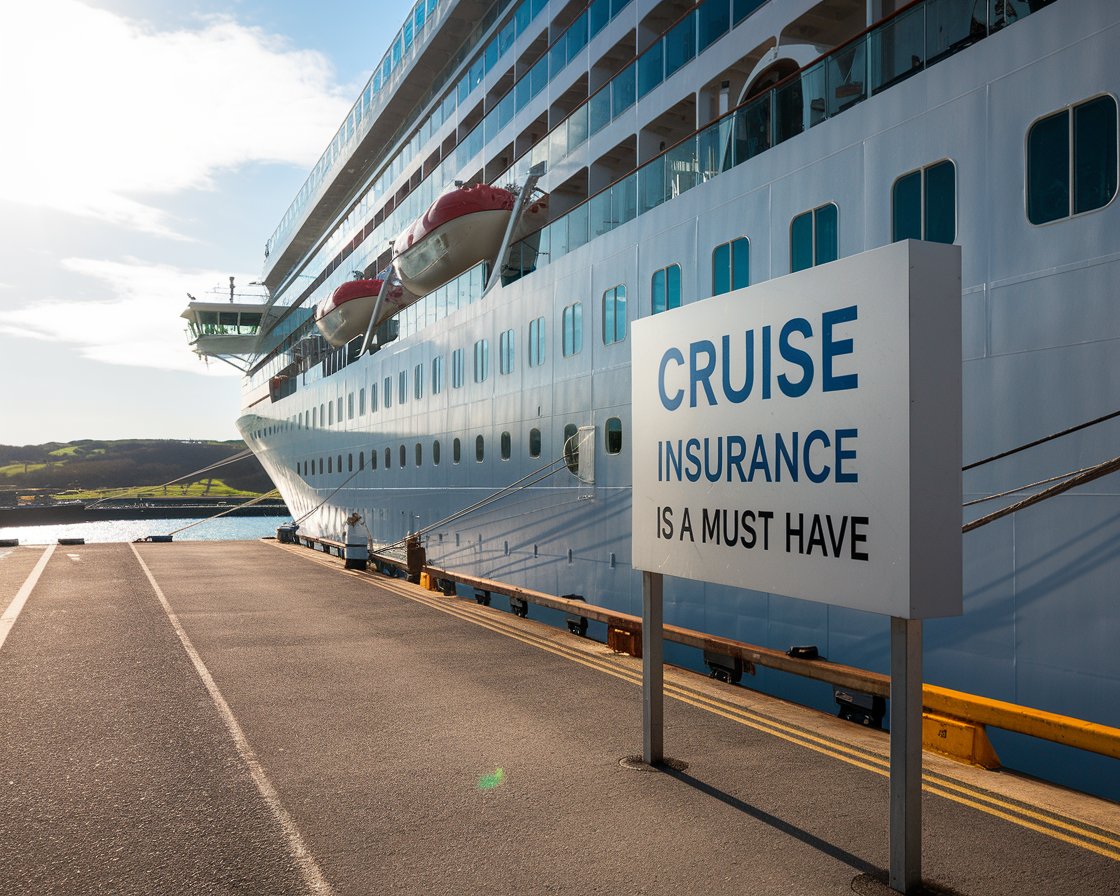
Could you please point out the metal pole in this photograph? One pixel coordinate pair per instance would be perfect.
(653, 669)
(906, 754)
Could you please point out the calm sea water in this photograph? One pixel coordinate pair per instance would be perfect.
(227, 528)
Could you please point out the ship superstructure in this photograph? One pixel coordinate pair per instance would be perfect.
(678, 153)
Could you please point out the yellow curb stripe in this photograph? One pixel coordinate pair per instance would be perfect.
(963, 794)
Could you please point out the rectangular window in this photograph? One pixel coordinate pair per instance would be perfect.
(387, 388)
(402, 387)
(573, 329)
(731, 266)
(457, 369)
(362, 401)
(665, 289)
(536, 342)
(1081, 146)
(614, 315)
(481, 360)
(715, 20)
(350, 406)
(437, 374)
(923, 204)
(814, 238)
(505, 352)
(373, 398)
(418, 382)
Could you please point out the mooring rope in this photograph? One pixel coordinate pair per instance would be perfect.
(1043, 440)
(233, 509)
(241, 455)
(542, 473)
(1081, 478)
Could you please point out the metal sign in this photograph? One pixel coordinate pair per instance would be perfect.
(803, 436)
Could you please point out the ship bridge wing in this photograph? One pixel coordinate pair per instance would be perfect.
(228, 331)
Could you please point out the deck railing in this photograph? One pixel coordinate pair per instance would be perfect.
(920, 35)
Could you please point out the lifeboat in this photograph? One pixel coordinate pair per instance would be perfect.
(345, 314)
(462, 227)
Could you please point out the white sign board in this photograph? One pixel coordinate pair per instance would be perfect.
(803, 436)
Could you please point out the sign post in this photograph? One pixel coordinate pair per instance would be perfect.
(802, 437)
(653, 669)
(906, 754)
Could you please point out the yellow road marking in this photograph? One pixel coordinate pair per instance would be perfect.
(1039, 821)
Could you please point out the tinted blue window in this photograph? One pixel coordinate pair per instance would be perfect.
(742, 8)
(721, 269)
(906, 207)
(740, 263)
(600, 14)
(940, 202)
(657, 292)
(599, 110)
(1094, 154)
(614, 315)
(577, 36)
(715, 20)
(680, 44)
(1048, 169)
(622, 90)
(650, 69)
(826, 237)
(801, 242)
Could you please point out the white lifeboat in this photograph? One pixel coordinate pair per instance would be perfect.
(345, 313)
(464, 226)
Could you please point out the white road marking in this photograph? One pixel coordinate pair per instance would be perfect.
(309, 868)
(74, 557)
(14, 608)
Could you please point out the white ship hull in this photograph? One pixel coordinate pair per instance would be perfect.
(1041, 346)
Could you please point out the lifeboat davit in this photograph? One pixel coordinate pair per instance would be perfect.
(464, 226)
(345, 313)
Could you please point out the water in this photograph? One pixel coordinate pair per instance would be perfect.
(229, 528)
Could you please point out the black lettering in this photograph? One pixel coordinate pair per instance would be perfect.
(710, 526)
(686, 526)
(858, 536)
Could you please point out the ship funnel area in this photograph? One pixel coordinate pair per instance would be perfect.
(579, 454)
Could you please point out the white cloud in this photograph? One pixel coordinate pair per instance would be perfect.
(103, 114)
(138, 324)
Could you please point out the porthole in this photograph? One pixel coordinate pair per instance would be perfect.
(613, 435)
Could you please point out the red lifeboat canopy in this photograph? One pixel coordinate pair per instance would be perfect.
(346, 313)
(451, 205)
(349, 291)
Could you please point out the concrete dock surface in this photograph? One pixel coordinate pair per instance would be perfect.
(248, 717)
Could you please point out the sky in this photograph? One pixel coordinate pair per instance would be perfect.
(148, 150)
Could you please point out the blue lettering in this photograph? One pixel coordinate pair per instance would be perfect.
(797, 357)
(738, 396)
(765, 362)
(736, 453)
(713, 472)
(815, 436)
(830, 348)
(671, 404)
(759, 460)
(843, 454)
(697, 374)
(691, 454)
(786, 455)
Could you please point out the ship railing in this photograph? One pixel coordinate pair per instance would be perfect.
(917, 36)
(939, 704)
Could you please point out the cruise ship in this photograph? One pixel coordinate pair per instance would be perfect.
(648, 155)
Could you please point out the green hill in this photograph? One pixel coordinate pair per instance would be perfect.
(88, 465)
